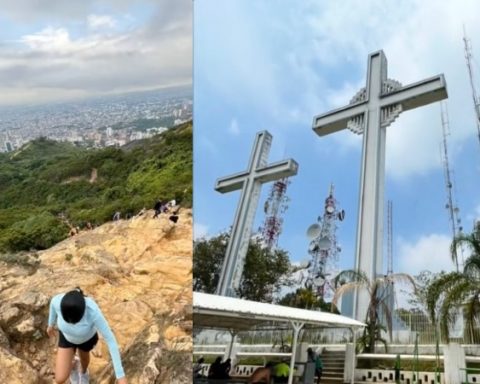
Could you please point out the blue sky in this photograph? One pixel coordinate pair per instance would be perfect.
(55, 50)
(262, 66)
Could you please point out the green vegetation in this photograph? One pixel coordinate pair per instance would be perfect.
(265, 271)
(378, 290)
(46, 183)
(458, 293)
(406, 365)
(305, 298)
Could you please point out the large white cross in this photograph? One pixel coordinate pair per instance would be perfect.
(250, 183)
(371, 110)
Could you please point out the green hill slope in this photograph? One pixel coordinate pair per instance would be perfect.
(45, 180)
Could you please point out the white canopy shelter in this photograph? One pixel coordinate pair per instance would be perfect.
(221, 312)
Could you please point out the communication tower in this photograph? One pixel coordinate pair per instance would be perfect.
(324, 249)
(275, 206)
(451, 206)
(469, 59)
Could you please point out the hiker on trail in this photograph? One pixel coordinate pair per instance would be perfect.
(78, 319)
(158, 208)
(116, 216)
(89, 226)
(173, 218)
(314, 357)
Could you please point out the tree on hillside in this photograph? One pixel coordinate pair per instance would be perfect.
(46, 178)
(265, 271)
(378, 292)
(450, 292)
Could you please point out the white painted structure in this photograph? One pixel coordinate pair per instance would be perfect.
(221, 312)
(369, 113)
(250, 183)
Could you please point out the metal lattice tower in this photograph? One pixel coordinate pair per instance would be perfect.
(476, 100)
(275, 206)
(451, 205)
(324, 249)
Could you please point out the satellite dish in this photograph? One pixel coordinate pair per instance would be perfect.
(341, 215)
(324, 243)
(330, 209)
(313, 247)
(313, 231)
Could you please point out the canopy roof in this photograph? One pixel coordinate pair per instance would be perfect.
(221, 312)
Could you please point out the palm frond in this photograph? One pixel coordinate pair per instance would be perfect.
(468, 240)
(345, 288)
(472, 265)
(350, 275)
(454, 299)
(437, 289)
(388, 315)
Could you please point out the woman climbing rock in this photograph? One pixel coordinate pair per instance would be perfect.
(78, 318)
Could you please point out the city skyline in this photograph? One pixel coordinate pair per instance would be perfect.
(97, 122)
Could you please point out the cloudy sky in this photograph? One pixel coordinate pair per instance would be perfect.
(261, 66)
(54, 50)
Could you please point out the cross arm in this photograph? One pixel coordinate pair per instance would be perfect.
(276, 171)
(337, 119)
(417, 94)
(231, 183)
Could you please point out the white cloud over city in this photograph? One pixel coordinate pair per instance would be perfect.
(84, 53)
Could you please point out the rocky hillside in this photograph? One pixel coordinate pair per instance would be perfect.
(137, 270)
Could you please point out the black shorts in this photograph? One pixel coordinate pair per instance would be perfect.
(87, 346)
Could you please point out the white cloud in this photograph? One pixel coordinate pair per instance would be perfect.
(49, 39)
(199, 231)
(63, 63)
(324, 39)
(101, 21)
(429, 252)
(234, 128)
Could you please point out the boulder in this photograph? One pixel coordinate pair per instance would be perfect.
(16, 371)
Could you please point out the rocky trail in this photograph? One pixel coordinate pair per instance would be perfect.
(139, 271)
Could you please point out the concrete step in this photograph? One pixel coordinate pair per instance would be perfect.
(333, 372)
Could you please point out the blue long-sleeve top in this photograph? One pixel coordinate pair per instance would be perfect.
(91, 322)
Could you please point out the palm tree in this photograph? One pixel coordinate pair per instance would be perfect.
(450, 292)
(378, 292)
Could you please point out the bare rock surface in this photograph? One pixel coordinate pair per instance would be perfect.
(137, 270)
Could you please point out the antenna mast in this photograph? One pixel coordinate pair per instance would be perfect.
(275, 206)
(476, 100)
(324, 248)
(451, 206)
